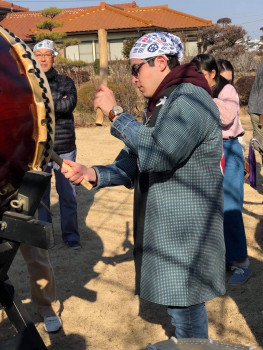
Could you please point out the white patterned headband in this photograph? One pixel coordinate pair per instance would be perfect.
(155, 44)
(45, 44)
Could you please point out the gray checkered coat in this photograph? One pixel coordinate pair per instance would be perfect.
(180, 259)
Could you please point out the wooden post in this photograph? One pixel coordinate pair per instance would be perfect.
(103, 51)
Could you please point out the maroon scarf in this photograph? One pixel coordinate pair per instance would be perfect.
(185, 73)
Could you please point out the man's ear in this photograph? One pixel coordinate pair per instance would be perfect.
(162, 62)
(54, 58)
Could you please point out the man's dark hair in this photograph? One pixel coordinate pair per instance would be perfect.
(172, 61)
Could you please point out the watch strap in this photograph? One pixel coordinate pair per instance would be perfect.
(111, 115)
(116, 110)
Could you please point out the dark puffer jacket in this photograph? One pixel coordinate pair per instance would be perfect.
(60, 86)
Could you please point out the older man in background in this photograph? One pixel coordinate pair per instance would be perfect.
(64, 96)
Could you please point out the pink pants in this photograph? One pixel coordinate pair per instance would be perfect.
(42, 280)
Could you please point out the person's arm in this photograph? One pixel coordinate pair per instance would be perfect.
(258, 82)
(128, 126)
(121, 172)
(67, 103)
(255, 104)
(258, 87)
(178, 131)
(228, 105)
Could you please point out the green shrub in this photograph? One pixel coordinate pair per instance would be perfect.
(126, 93)
(243, 86)
(65, 62)
(77, 70)
(96, 66)
(85, 98)
(127, 45)
(120, 82)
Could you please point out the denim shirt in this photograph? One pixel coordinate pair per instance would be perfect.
(125, 128)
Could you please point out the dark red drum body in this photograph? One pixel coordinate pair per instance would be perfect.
(26, 115)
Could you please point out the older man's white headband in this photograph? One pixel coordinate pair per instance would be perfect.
(45, 44)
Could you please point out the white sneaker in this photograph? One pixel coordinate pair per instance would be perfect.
(52, 324)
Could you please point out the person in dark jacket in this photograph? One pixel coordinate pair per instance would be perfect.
(255, 109)
(64, 96)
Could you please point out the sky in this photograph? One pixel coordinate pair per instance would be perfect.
(248, 13)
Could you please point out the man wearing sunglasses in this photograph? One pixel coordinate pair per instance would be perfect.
(172, 160)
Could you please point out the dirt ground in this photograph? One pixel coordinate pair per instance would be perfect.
(96, 283)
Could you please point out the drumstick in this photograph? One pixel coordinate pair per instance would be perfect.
(60, 162)
(99, 117)
(103, 52)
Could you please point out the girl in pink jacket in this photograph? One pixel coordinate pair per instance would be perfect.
(227, 100)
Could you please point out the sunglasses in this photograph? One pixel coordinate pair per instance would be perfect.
(136, 67)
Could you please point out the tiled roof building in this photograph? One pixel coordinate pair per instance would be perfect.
(120, 21)
(6, 7)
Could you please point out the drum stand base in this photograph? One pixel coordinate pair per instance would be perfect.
(21, 227)
(27, 337)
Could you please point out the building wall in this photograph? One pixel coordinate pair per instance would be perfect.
(190, 49)
(88, 49)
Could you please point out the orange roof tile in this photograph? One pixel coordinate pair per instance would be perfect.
(21, 23)
(71, 11)
(102, 16)
(164, 17)
(7, 5)
(133, 4)
(109, 17)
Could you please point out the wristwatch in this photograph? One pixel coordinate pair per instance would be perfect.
(116, 110)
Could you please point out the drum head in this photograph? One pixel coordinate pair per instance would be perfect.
(26, 115)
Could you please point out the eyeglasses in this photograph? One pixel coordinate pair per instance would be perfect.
(136, 67)
(38, 55)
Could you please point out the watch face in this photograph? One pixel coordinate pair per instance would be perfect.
(117, 110)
